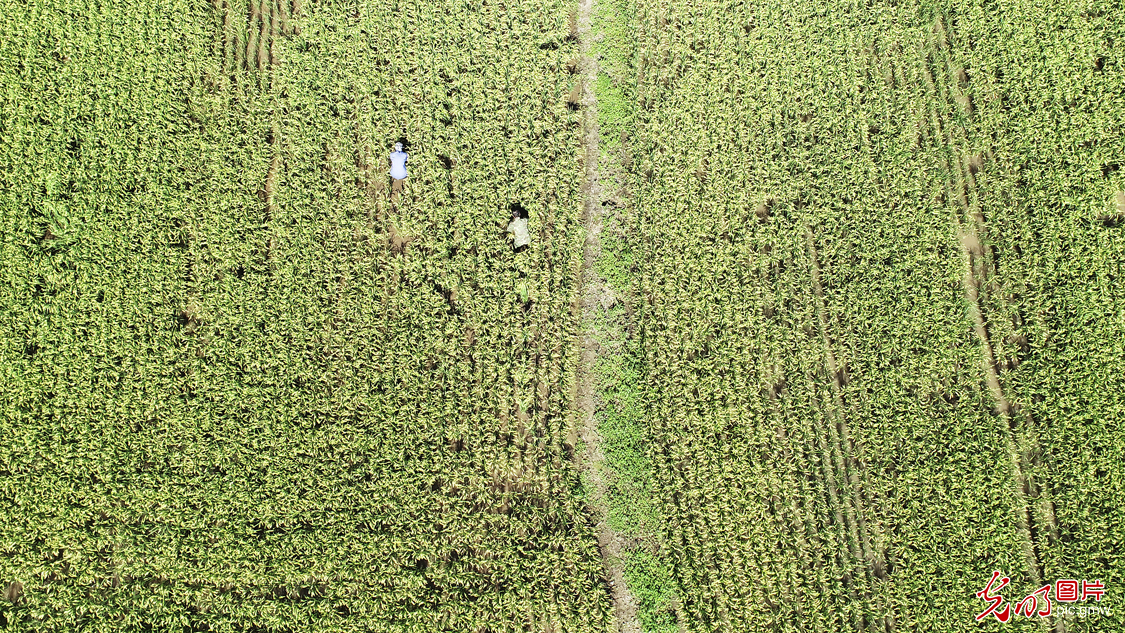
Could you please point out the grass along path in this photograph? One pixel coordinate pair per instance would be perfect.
(602, 335)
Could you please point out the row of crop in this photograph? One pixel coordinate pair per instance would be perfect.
(966, 169)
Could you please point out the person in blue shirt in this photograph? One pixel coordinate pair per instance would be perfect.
(398, 163)
(398, 169)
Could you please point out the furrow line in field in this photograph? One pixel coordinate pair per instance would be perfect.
(817, 506)
(789, 490)
(250, 34)
(227, 36)
(838, 453)
(844, 547)
(796, 515)
(822, 479)
(974, 271)
(984, 267)
(836, 335)
(1036, 511)
(849, 460)
(253, 32)
(827, 575)
(593, 289)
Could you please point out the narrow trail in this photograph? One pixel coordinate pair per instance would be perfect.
(596, 297)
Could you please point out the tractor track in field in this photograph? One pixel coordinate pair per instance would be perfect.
(250, 32)
(1036, 517)
(846, 455)
(595, 297)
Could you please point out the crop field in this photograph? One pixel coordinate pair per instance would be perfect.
(245, 385)
(876, 308)
(822, 321)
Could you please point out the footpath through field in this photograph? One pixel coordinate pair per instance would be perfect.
(602, 333)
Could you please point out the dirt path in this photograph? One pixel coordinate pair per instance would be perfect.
(596, 297)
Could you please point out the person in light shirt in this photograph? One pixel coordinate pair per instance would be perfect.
(398, 168)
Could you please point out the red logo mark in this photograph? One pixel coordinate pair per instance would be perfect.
(995, 600)
(1066, 590)
(1096, 589)
(1030, 605)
